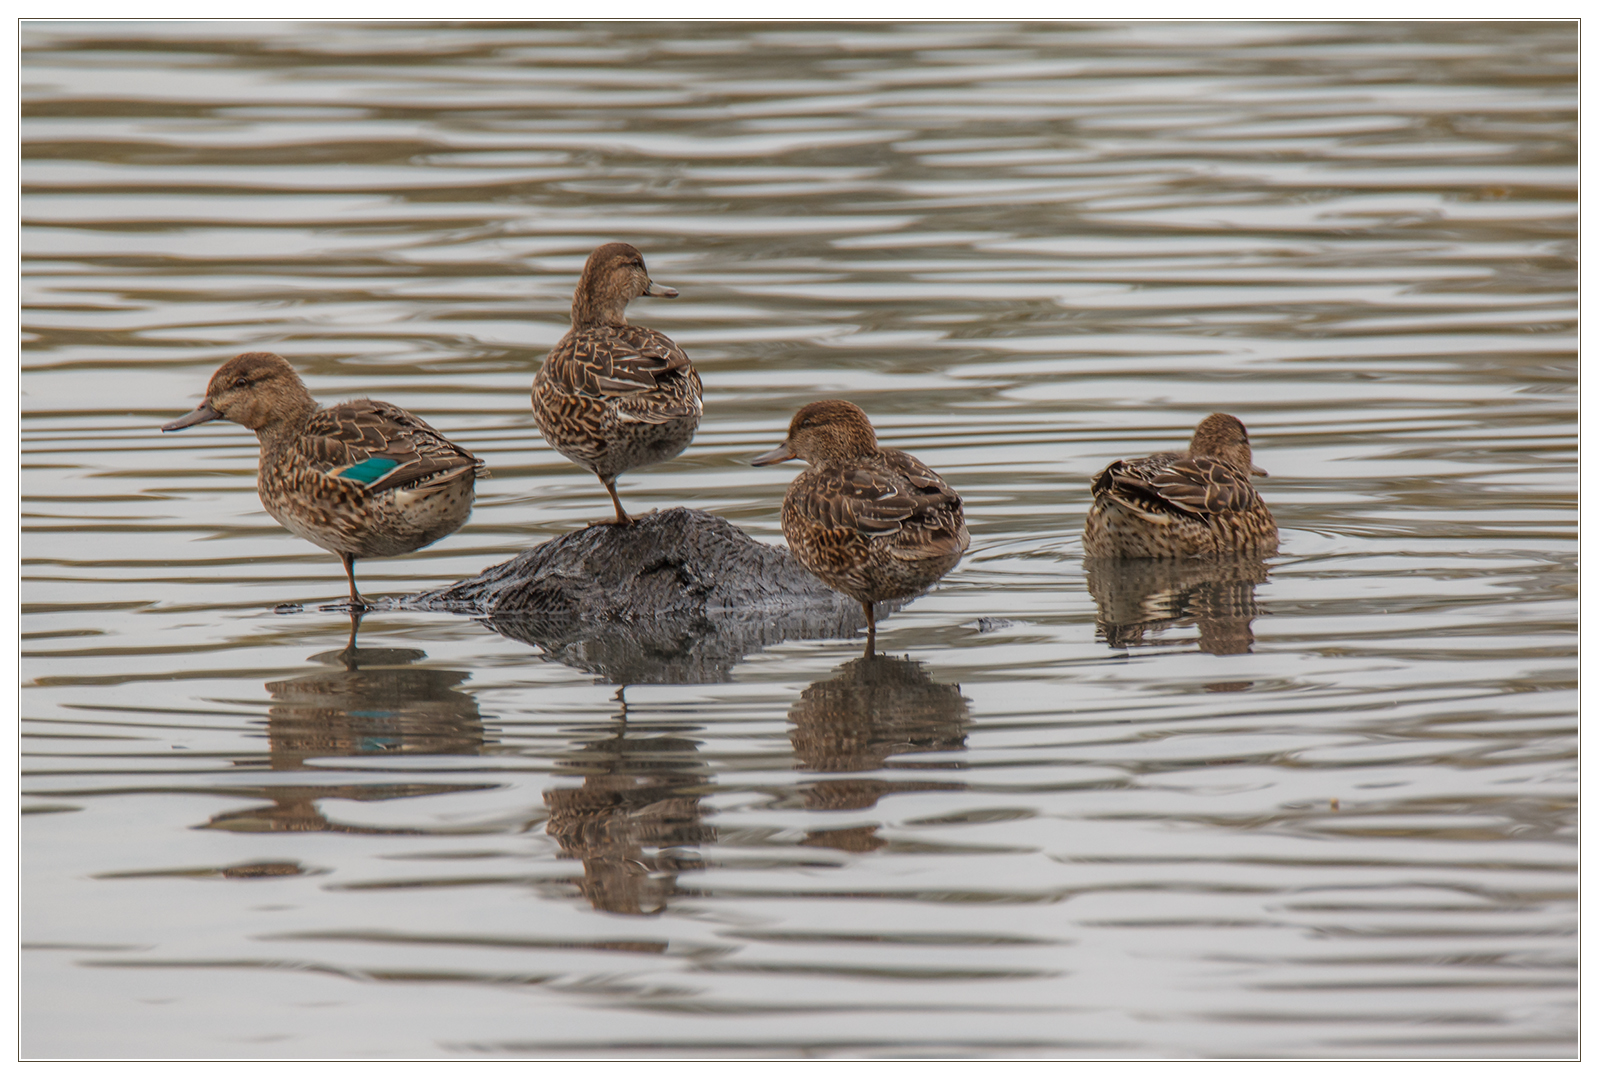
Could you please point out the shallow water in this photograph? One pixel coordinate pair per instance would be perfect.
(1325, 807)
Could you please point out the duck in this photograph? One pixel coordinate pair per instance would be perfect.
(1197, 503)
(612, 396)
(871, 522)
(364, 479)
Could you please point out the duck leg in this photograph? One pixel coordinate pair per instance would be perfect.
(871, 628)
(621, 515)
(356, 603)
(349, 649)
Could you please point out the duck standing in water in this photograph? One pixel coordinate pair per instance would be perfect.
(873, 523)
(611, 396)
(1194, 504)
(364, 479)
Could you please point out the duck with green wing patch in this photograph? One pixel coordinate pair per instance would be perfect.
(364, 479)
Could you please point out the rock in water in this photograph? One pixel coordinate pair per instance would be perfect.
(668, 564)
(679, 596)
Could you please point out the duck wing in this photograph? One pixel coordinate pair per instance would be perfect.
(900, 501)
(381, 447)
(642, 371)
(1199, 486)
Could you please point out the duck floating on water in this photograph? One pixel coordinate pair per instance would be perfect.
(1197, 503)
(612, 396)
(364, 479)
(873, 523)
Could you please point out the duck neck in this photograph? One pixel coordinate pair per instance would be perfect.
(591, 310)
(285, 423)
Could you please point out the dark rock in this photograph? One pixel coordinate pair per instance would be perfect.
(676, 563)
(680, 596)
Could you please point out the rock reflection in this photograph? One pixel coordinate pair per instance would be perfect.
(872, 710)
(1136, 597)
(373, 702)
(638, 806)
(672, 650)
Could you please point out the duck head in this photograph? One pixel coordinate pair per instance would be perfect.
(614, 275)
(1223, 438)
(824, 432)
(255, 389)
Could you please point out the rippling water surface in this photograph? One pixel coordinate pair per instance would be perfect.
(1323, 807)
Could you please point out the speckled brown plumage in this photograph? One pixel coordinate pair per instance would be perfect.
(611, 396)
(1198, 503)
(364, 479)
(873, 523)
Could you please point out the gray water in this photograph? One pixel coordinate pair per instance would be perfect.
(1324, 809)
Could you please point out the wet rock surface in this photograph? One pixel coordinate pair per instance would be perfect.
(668, 563)
(680, 596)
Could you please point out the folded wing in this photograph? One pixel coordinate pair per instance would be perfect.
(1171, 482)
(381, 447)
(640, 370)
(910, 506)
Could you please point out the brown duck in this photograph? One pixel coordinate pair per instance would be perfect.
(611, 396)
(873, 523)
(364, 479)
(1198, 503)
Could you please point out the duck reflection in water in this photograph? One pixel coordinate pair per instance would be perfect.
(638, 807)
(865, 718)
(1136, 597)
(371, 702)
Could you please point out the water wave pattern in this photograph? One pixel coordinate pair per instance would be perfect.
(1323, 809)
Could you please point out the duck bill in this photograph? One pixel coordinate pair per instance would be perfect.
(657, 289)
(1256, 470)
(781, 452)
(199, 416)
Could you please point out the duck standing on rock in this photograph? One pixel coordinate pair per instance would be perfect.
(611, 396)
(364, 479)
(873, 523)
(1194, 504)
